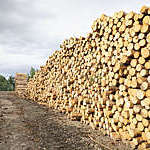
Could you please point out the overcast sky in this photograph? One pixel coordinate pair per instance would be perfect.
(31, 30)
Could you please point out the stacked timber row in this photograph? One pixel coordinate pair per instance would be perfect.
(103, 79)
(21, 84)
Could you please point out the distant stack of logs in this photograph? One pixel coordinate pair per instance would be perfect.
(103, 79)
(21, 84)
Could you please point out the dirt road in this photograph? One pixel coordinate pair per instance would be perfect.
(26, 125)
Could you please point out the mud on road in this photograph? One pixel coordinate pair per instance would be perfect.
(26, 125)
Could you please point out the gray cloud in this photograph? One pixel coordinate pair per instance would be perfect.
(17, 25)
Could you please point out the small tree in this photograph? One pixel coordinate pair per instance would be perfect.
(11, 83)
(32, 73)
(7, 85)
(3, 83)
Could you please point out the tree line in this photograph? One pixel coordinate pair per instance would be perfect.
(9, 84)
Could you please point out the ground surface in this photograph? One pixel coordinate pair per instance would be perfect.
(26, 125)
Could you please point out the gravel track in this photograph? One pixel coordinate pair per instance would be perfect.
(26, 125)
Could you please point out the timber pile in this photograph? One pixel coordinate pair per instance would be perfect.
(21, 84)
(103, 79)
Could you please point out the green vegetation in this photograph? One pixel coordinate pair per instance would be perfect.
(7, 85)
(32, 73)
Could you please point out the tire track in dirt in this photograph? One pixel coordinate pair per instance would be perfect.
(26, 125)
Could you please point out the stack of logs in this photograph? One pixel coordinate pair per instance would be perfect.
(21, 84)
(103, 79)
